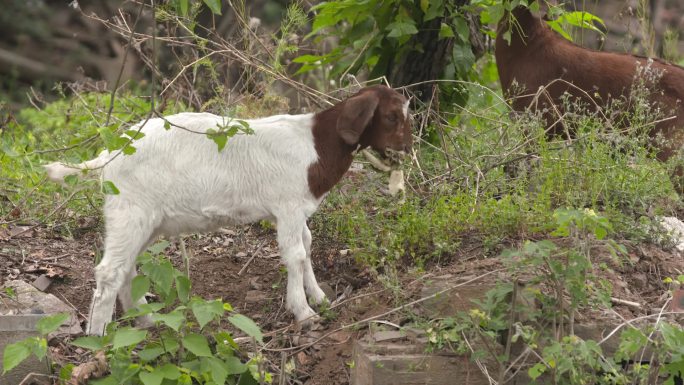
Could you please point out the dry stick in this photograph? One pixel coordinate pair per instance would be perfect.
(29, 376)
(509, 337)
(479, 364)
(283, 361)
(254, 254)
(625, 302)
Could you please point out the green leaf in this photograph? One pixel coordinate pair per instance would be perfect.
(169, 371)
(183, 288)
(158, 247)
(536, 371)
(128, 337)
(174, 319)
(197, 345)
(307, 59)
(13, 355)
(214, 6)
(135, 134)
(216, 367)
(247, 325)
(109, 380)
(39, 347)
(139, 286)
(435, 10)
(150, 353)
(401, 28)
(151, 378)
(182, 7)
(205, 311)
(47, 325)
(161, 274)
(128, 150)
(109, 188)
(234, 366)
(167, 125)
(220, 138)
(89, 342)
(445, 31)
(65, 373)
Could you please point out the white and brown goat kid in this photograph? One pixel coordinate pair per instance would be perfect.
(177, 182)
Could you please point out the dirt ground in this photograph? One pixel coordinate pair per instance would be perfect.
(258, 292)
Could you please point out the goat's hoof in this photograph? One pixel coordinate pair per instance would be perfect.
(318, 298)
(320, 294)
(308, 321)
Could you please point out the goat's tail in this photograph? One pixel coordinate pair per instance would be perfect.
(57, 171)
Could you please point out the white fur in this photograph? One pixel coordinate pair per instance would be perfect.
(178, 182)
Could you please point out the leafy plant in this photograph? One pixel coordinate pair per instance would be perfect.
(15, 353)
(540, 315)
(190, 343)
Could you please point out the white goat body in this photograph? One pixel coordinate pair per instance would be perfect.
(178, 182)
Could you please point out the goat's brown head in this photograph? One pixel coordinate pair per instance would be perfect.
(376, 117)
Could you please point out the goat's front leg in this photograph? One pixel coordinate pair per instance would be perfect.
(127, 233)
(316, 295)
(293, 253)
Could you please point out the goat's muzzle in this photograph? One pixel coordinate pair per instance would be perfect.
(394, 156)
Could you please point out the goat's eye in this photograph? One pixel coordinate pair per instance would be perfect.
(392, 118)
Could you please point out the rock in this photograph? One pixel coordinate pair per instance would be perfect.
(42, 283)
(255, 296)
(303, 358)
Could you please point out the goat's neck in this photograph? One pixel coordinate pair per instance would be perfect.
(334, 154)
(524, 27)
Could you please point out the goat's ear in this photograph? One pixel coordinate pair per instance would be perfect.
(357, 112)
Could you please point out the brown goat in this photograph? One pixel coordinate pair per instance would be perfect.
(539, 57)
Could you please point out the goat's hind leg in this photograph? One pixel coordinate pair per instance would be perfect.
(126, 299)
(128, 231)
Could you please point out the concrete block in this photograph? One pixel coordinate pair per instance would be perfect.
(14, 328)
(453, 301)
(407, 364)
(18, 318)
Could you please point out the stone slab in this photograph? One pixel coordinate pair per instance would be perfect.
(407, 364)
(447, 304)
(14, 328)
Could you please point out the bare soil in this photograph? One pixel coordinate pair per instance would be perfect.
(258, 292)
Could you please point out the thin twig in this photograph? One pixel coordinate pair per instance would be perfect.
(254, 254)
